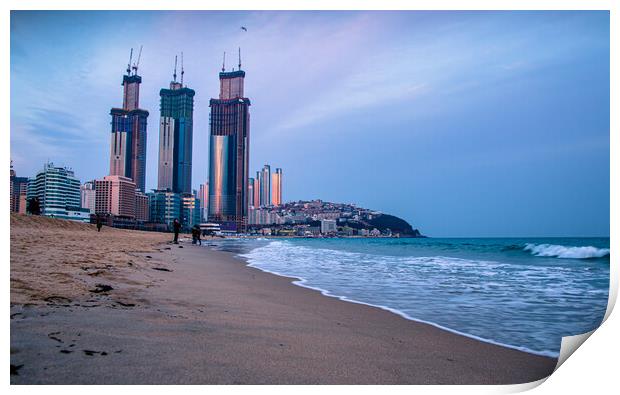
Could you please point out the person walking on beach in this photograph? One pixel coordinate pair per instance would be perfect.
(99, 223)
(176, 227)
(196, 235)
(193, 235)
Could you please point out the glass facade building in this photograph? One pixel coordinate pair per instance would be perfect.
(229, 153)
(203, 196)
(128, 139)
(165, 207)
(190, 210)
(265, 186)
(175, 138)
(276, 187)
(257, 190)
(251, 202)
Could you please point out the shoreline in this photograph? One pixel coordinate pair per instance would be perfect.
(194, 315)
(300, 282)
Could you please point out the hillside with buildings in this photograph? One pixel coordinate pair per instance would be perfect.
(320, 218)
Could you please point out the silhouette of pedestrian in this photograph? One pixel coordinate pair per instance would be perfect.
(99, 223)
(196, 235)
(176, 226)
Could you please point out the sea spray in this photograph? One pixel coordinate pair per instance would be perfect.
(564, 252)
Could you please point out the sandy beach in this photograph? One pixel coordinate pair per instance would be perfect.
(127, 307)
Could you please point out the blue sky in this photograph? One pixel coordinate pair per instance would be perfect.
(463, 123)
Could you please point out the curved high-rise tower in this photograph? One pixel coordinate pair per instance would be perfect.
(229, 153)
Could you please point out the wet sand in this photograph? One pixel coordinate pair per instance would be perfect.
(190, 315)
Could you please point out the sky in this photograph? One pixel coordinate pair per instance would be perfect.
(465, 124)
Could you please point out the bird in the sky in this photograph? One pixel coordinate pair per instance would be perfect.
(244, 28)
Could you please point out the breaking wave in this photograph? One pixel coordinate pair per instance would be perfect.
(560, 251)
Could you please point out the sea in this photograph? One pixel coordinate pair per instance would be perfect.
(523, 293)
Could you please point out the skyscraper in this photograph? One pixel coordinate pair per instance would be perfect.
(265, 186)
(276, 187)
(175, 137)
(229, 152)
(251, 192)
(257, 190)
(58, 192)
(128, 140)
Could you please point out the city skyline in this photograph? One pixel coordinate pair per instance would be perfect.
(461, 154)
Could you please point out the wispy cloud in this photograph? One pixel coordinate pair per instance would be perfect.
(314, 74)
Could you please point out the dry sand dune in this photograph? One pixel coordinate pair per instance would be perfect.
(57, 261)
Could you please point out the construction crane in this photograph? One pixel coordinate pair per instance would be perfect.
(175, 69)
(182, 71)
(137, 64)
(129, 64)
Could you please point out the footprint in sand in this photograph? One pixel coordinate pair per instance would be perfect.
(92, 353)
(99, 288)
(15, 368)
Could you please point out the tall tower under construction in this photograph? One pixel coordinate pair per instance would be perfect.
(229, 152)
(128, 140)
(175, 136)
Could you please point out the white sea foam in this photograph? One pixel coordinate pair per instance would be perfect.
(503, 302)
(302, 283)
(559, 251)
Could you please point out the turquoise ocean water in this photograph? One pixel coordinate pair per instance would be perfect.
(523, 293)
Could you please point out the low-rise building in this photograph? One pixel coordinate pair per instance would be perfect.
(328, 226)
(19, 193)
(78, 214)
(190, 211)
(165, 206)
(88, 196)
(142, 207)
(313, 230)
(263, 216)
(363, 232)
(210, 228)
(115, 195)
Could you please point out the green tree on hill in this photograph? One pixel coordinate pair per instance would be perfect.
(33, 206)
